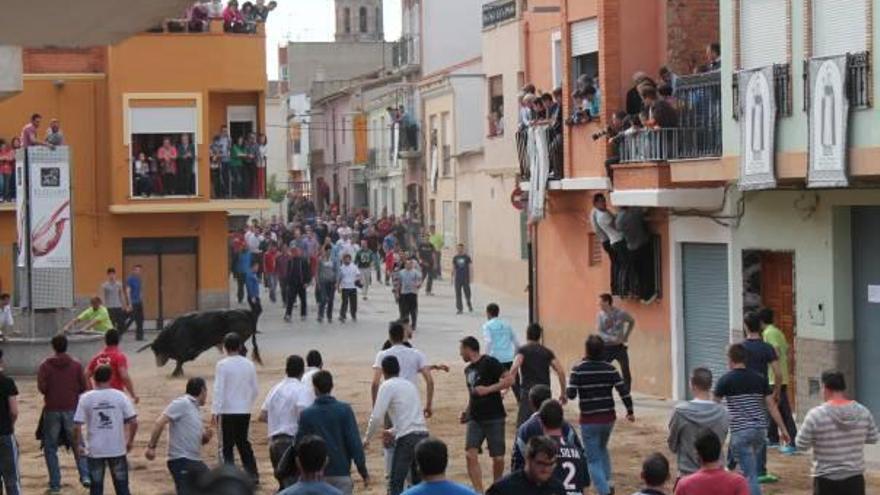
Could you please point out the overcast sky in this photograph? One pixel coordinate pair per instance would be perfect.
(312, 20)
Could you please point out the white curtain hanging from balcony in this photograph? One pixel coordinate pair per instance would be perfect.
(163, 120)
(584, 37)
(762, 33)
(839, 27)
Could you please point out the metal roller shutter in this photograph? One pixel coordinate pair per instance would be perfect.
(839, 27)
(705, 288)
(584, 37)
(762, 33)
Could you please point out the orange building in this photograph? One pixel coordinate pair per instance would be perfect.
(606, 41)
(116, 101)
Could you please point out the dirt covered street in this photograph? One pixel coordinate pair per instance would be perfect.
(348, 353)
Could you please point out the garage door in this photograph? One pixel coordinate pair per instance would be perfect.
(705, 287)
(866, 312)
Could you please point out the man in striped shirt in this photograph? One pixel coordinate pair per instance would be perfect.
(837, 431)
(749, 399)
(592, 381)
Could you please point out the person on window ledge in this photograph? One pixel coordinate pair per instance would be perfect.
(167, 155)
(186, 156)
(631, 222)
(613, 242)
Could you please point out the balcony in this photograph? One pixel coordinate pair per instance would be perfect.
(781, 89)
(539, 147)
(405, 52)
(698, 135)
(207, 16)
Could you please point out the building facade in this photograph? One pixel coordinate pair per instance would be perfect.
(112, 105)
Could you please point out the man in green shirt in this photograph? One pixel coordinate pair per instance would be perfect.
(774, 336)
(436, 239)
(95, 317)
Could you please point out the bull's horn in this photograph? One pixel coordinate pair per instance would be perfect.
(144, 348)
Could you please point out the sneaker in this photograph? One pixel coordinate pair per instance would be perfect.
(354, 319)
(53, 491)
(768, 478)
(287, 318)
(85, 482)
(320, 320)
(303, 317)
(470, 309)
(458, 312)
(787, 450)
(772, 445)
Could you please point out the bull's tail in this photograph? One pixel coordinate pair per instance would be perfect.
(257, 357)
(144, 348)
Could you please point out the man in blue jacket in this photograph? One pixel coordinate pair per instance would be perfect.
(334, 421)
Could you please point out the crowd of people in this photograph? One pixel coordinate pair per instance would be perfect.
(235, 20)
(29, 137)
(238, 166)
(314, 438)
(167, 170)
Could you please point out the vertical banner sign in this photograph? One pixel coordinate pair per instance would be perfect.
(50, 236)
(828, 116)
(20, 209)
(757, 129)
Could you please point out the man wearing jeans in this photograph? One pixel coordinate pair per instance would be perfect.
(186, 436)
(61, 381)
(111, 423)
(591, 382)
(774, 336)
(400, 399)
(749, 399)
(615, 325)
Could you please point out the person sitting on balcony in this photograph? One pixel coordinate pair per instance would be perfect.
(197, 18)
(7, 169)
(658, 112)
(167, 155)
(186, 157)
(142, 183)
(54, 136)
(669, 77)
(261, 9)
(233, 21)
(236, 167)
(251, 17)
(713, 58)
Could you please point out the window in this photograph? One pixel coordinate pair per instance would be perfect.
(362, 19)
(342, 129)
(496, 106)
(556, 58)
(595, 250)
(346, 19)
(445, 148)
(284, 74)
(378, 20)
(762, 42)
(584, 50)
(163, 157)
(839, 27)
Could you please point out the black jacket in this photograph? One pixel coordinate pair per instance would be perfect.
(299, 272)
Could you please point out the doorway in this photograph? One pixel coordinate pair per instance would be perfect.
(169, 271)
(466, 226)
(242, 120)
(768, 282)
(866, 309)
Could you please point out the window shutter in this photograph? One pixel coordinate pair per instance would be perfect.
(762, 33)
(584, 37)
(839, 27)
(163, 120)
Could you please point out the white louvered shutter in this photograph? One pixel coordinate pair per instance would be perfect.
(839, 27)
(584, 37)
(762, 33)
(163, 120)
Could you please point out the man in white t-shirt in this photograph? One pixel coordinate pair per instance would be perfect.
(186, 435)
(281, 410)
(235, 390)
(111, 424)
(602, 221)
(314, 364)
(412, 363)
(349, 279)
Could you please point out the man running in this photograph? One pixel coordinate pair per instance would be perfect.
(485, 378)
(364, 259)
(615, 326)
(299, 275)
(410, 281)
(186, 436)
(349, 280)
(281, 411)
(432, 457)
(501, 342)
(536, 478)
(426, 262)
(532, 365)
(112, 357)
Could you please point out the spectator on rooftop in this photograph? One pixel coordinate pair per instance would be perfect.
(251, 17)
(233, 21)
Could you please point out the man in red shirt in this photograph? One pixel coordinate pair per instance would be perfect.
(269, 277)
(114, 358)
(712, 478)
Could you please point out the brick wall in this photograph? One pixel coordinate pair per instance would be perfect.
(65, 60)
(814, 357)
(691, 25)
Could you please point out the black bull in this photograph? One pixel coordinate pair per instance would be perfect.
(194, 333)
